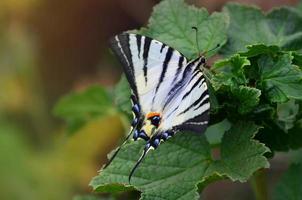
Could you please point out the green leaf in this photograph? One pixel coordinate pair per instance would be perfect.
(258, 49)
(297, 59)
(279, 79)
(77, 108)
(241, 156)
(215, 132)
(248, 25)
(286, 114)
(230, 72)
(170, 172)
(175, 169)
(172, 21)
(122, 96)
(289, 186)
(246, 98)
(274, 137)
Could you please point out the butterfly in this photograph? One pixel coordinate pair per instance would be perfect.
(169, 93)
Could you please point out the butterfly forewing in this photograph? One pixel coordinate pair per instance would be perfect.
(151, 68)
(189, 106)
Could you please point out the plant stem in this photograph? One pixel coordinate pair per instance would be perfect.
(259, 185)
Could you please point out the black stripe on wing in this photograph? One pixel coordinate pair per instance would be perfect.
(191, 68)
(139, 42)
(165, 65)
(197, 124)
(168, 57)
(145, 56)
(203, 99)
(121, 47)
(193, 87)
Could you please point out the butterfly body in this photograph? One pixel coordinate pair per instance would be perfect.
(169, 93)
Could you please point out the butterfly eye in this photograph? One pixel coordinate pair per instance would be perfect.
(155, 121)
(203, 60)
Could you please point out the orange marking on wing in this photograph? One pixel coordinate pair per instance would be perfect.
(152, 114)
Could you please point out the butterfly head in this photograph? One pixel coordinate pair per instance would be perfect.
(202, 60)
(152, 122)
(154, 118)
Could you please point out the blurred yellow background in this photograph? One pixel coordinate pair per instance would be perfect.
(47, 49)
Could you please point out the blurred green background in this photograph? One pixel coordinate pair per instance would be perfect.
(47, 49)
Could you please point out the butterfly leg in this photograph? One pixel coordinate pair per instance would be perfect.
(140, 134)
(157, 139)
(166, 135)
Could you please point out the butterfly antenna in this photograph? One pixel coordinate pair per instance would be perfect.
(196, 38)
(146, 149)
(213, 49)
(119, 148)
(207, 74)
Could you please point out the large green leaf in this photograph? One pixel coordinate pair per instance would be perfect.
(290, 187)
(172, 21)
(77, 108)
(170, 172)
(240, 156)
(177, 166)
(279, 79)
(249, 25)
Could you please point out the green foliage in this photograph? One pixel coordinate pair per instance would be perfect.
(172, 22)
(280, 79)
(255, 93)
(192, 164)
(249, 25)
(290, 187)
(240, 156)
(78, 108)
(121, 96)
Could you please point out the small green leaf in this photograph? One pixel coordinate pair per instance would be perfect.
(77, 108)
(279, 79)
(289, 186)
(258, 49)
(286, 114)
(241, 156)
(230, 72)
(245, 98)
(248, 25)
(172, 21)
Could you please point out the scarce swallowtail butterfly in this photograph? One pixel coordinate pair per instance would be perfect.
(169, 92)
